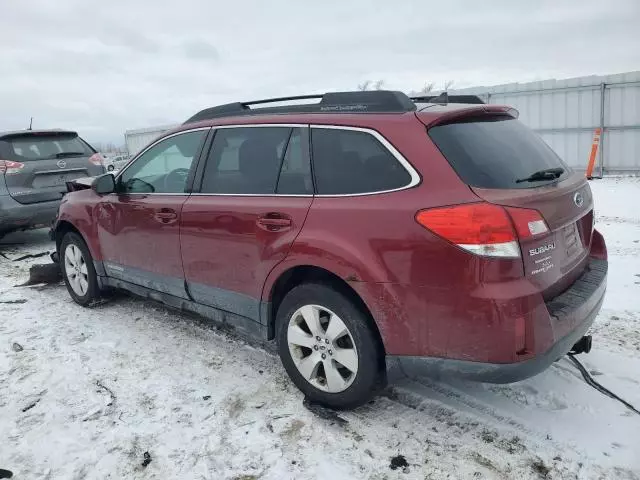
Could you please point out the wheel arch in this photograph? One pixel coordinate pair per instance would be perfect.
(307, 273)
(62, 228)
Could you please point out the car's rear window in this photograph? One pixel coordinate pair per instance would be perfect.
(495, 152)
(45, 147)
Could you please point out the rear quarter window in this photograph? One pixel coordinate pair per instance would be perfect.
(494, 151)
(353, 162)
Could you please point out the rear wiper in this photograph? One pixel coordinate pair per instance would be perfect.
(70, 154)
(541, 175)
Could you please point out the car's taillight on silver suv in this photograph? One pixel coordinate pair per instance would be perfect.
(9, 167)
(96, 159)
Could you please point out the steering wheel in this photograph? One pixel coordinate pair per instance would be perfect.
(175, 180)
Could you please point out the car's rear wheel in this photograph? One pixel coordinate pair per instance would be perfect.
(78, 271)
(327, 346)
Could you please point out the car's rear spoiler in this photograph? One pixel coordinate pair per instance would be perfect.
(436, 116)
(83, 183)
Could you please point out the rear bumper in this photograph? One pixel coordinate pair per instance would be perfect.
(577, 306)
(18, 216)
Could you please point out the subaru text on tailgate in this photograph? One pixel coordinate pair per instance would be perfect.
(34, 168)
(368, 233)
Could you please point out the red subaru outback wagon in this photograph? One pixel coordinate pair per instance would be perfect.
(365, 232)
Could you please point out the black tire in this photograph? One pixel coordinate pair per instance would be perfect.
(92, 293)
(367, 379)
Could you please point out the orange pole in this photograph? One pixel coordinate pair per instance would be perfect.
(594, 151)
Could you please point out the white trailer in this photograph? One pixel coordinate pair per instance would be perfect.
(137, 139)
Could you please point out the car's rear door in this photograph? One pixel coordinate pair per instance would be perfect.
(139, 226)
(42, 163)
(254, 195)
(496, 156)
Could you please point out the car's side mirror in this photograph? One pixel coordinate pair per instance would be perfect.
(104, 184)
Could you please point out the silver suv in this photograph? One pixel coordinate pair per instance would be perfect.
(34, 168)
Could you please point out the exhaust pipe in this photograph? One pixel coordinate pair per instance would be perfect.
(582, 346)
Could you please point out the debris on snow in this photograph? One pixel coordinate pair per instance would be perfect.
(30, 255)
(147, 459)
(16, 347)
(101, 386)
(540, 468)
(46, 273)
(323, 412)
(399, 462)
(92, 415)
(17, 301)
(30, 406)
(34, 401)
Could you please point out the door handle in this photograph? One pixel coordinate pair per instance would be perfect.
(273, 222)
(166, 215)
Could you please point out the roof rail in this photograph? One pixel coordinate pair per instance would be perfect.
(444, 98)
(373, 101)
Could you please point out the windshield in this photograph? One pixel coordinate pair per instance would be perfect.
(45, 147)
(495, 152)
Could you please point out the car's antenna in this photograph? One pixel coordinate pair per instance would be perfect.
(31, 124)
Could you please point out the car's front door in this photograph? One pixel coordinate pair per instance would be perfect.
(139, 226)
(255, 192)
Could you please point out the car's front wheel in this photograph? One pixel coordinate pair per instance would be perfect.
(327, 346)
(78, 271)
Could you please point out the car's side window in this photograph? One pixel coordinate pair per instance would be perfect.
(245, 160)
(163, 168)
(295, 173)
(352, 162)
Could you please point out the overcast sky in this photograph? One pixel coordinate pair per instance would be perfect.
(102, 67)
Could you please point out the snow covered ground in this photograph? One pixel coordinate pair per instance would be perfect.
(92, 393)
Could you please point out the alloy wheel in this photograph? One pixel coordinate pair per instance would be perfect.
(322, 348)
(75, 269)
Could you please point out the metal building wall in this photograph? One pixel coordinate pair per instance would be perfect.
(567, 112)
(136, 140)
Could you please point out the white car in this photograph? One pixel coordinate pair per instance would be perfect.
(113, 164)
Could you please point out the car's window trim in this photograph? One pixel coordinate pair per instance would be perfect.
(414, 175)
(153, 144)
(198, 181)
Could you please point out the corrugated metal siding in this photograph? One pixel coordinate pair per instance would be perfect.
(136, 140)
(566, 113)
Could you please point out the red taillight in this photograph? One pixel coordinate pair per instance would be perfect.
(480, 228)
(528, 223)
(484, 228)
(9, 167)
(96, 159)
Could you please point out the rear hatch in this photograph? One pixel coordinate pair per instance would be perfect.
(501, 160)
(37, 165)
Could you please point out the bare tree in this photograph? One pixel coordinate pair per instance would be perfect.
(427, 87)
(447, 85)
(371, 85)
